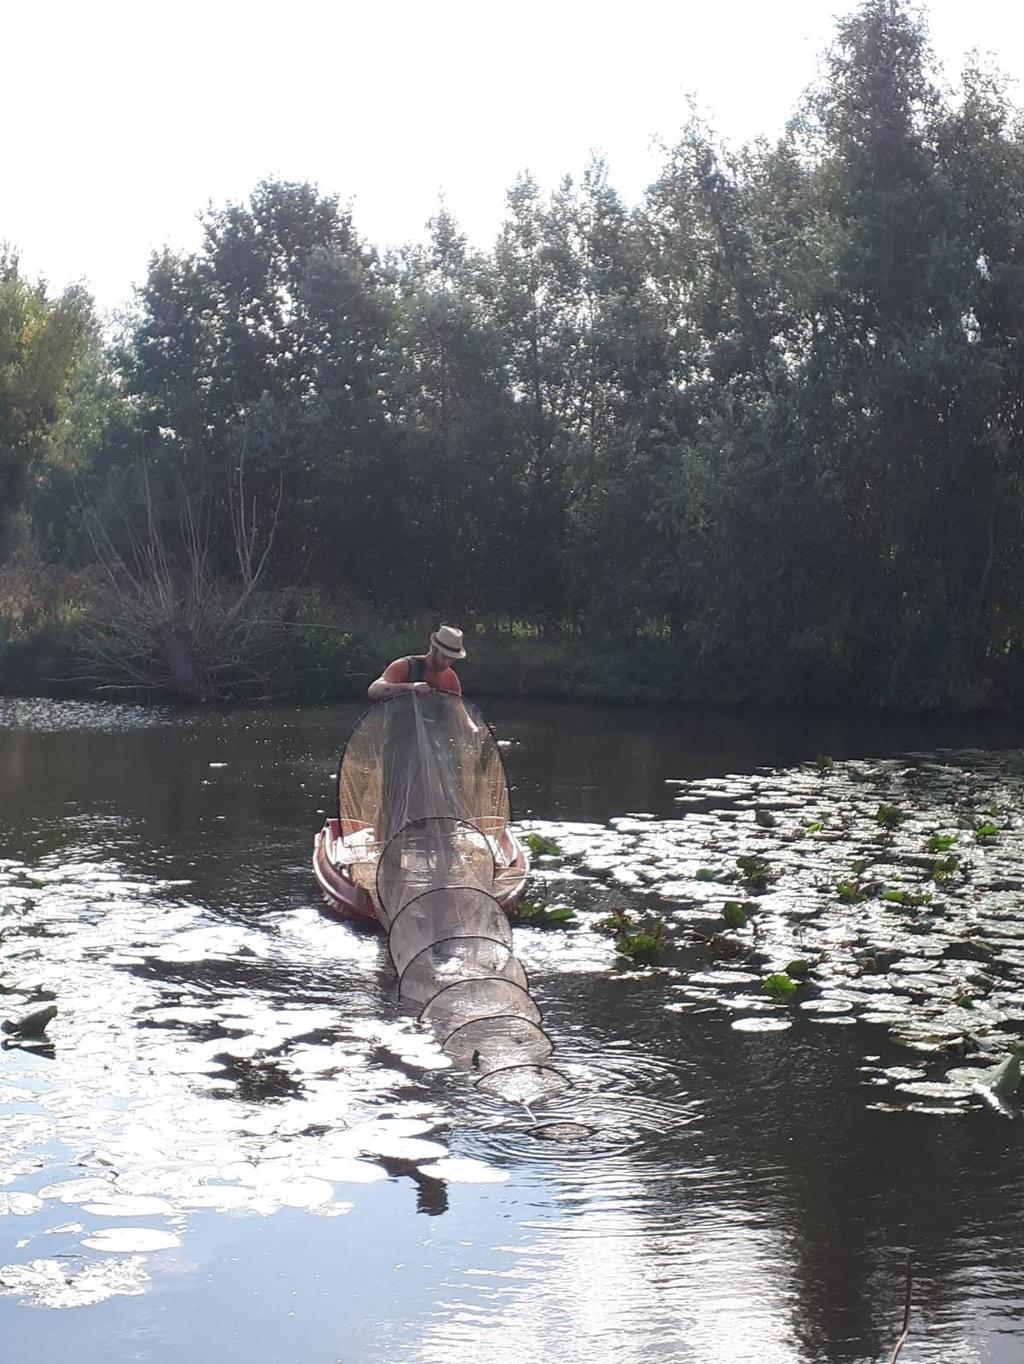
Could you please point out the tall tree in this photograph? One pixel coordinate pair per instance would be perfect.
(45, 347)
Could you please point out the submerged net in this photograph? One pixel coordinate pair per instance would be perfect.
(422, 793)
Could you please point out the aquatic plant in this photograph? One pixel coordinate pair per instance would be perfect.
(617, 923)
(541, 846)
(850, 892)
(945, 867)
(755, 872)
(706, 874)
(779, 986)
(910, 899)
(890, 816)
(546, 916)
(986, 832)
(825, 764)
(764, 818)
(643, 946)
(940, 843)
(735, 914)
(643, 949)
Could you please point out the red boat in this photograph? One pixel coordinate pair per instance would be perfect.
(435, 759)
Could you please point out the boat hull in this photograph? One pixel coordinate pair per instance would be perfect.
(343, 899)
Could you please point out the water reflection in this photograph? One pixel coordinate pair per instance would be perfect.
(237, 1110)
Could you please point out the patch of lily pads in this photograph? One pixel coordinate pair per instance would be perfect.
(885, 894)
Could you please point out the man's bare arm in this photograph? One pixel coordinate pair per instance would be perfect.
(382, 689)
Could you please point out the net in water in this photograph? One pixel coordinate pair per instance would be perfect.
(423, 785)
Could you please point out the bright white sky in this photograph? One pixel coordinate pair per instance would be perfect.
(123, 119)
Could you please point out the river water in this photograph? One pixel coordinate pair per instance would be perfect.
(240, 1147)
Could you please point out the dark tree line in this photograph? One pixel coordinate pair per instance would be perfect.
(772, 416)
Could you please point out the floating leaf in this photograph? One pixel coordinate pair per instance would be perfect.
(541, 916)
(945, 867)
(940, 843)
(541, 846)
(890, 816)
(617, 923)
(642, 948)
(909, 898)
(850, 892)
(779, 986)
(755, 871)
(734, 914)
(798, 969)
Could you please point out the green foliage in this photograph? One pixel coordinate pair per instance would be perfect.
(779, 987)
(945, 867)
(706, 874)
(986, 832)
(798, 969)
(850, 892)
(754, 871)
(825, 764)
(761, 438)
(644, 945)
(940, 843)
(535, 915)
(890, 816)
(616, 924)
(642, 948)
(541, 846)
(909, 899)
(46, 349)
(735, 914)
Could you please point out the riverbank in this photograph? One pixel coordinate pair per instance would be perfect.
(317, 665)
(308, 649)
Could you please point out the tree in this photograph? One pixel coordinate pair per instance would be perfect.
(275, 328)
(45, 348)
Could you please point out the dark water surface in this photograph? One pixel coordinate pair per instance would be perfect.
(241, 1148)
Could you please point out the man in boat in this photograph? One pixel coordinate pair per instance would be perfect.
(418, 781)
(423, 673)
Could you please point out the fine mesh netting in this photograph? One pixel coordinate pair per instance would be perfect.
(418, 757)
(423, 798)
(428, 855)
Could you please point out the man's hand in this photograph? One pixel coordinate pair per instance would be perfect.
(421, 689)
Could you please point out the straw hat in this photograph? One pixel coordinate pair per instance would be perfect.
(448, 641)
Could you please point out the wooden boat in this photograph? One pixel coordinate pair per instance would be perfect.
(410, 760)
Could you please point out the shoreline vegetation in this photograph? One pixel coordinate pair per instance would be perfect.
(311, 650)
(758, 438)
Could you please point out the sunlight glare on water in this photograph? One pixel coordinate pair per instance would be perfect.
(234, 1107)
